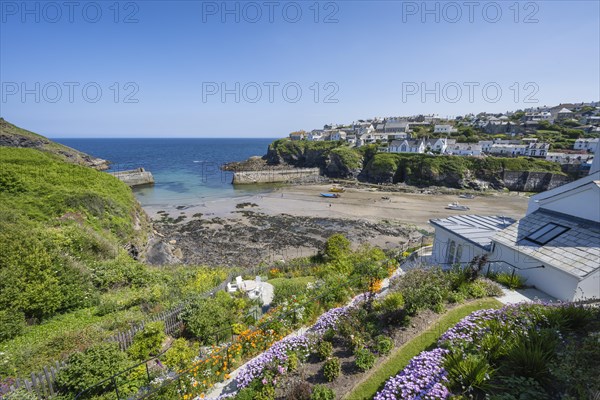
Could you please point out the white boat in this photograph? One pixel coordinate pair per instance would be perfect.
(456, 206)
(466, 196)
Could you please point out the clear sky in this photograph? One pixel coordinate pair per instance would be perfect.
(236, 69)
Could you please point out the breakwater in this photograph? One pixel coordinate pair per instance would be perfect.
(277, 175)
(134, 177)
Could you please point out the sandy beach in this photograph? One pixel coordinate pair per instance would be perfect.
(356, 203)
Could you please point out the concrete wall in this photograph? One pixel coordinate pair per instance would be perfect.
(552, 281)
(136, 177)
(584, 203)
(275, 175)
(589, 287)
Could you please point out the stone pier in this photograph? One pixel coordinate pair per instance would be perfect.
(276, 175)
(134, 177)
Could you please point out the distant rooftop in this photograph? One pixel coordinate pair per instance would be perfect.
(477, 229)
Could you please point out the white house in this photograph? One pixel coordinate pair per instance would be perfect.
(407, 146)
(337, 135)
(586, 144)
(439, 145)
(512, 150)
(443, 129)
(464, 149)
(556, 246)
(315, 135)
(459, 239)
(534, 149)
(486, 145)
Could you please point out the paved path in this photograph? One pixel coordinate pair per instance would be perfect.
(523, 295)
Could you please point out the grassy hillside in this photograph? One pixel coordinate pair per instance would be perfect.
(13, 136)
(66, 278)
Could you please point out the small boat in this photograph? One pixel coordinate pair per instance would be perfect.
(456, 206)
(330, 195)
(337, 189)
(466, 196)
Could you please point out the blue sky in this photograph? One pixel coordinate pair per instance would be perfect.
(161, 67)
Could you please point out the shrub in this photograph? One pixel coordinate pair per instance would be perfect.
(424, 288)
(267, 392)
(292, 362)
(324, 349)
(384, 345)
(468, 372)
(532, 354)
(337, 247)
(364, 359)
(12, 324)
(456, 297)
(391, 303)
(329, 335)
(205, 317)
(95, 364)
(491, 288)
(322, 392)
(569, 317)
(246, 394)
(511, 281)
(148, 341)
(181, 354)
(20, 394)
(332, 369)
(519, 388)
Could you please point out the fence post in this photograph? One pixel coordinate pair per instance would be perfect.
(114, 381)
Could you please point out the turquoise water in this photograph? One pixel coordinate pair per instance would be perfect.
(186, 171)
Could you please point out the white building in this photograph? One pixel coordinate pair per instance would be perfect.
(459, 239)
(407, 146)
(556, 246)
(512, 150)
(443, 129)
(586, 144)
(464, 149)
(337, 135)
(439, 145)
(315, 135)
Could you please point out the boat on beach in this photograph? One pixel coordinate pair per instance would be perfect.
(330, 195)
(337, 189)
(466, 196)
(456, 206)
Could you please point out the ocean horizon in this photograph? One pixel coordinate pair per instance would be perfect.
(186, 170)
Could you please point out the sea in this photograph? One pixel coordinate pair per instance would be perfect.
(186, 171)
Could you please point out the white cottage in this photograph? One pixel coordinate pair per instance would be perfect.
(556, 246)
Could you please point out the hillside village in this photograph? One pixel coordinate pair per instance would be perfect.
(567, 134)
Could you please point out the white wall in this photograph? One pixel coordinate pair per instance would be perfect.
(589, 287)
(584, 204)
(552, 281)
(441, 245)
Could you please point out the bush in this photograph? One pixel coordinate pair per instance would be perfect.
(181, 354)
(511, 281)
(322, 392)
(364, 359)
(12, 324)
(324, 349)
(491, 288)
(20, 394)
(267, 392)
(94, 365)
(468, 372)
(246, 394)
(205, 317)
(332, 369)
(424, 288)
(337, 248)
(391, 303)
(329, 335)
(292, 362)
(384, 345)
(148, 341)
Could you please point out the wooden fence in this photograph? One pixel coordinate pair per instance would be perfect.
(43, 383)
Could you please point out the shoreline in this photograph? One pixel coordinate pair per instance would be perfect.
(357, 203)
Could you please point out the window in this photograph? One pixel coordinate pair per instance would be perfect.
(451, 250)
(546, 233)
(458, 253)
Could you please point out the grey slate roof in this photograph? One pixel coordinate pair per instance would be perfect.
(577, 251)
(477, 229)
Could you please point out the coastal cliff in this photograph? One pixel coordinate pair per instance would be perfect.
(13, 136)
(336, 160)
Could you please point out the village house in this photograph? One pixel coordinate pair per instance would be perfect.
(315, 135)
(447, 129)
(439, 145)
(337, 135)
(534, 149)
(464, 149)
(586, 144)
(563, 114)
(508, 150)
(406, 146)
(300, 135)
(460, 238)
(556, 246)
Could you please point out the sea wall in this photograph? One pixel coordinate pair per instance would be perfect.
(135, 177)
(276, 175)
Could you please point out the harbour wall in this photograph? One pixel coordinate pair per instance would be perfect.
(277, 175)
(134, 177)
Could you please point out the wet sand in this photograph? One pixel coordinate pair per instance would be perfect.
(365, 204)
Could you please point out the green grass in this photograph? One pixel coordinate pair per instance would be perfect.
(402, 355)
(278, 282)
